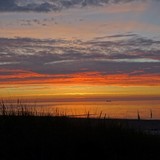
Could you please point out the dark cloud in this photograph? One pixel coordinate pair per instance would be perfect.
(8, 5)
(43, 7)
(13, 5)
(52, 5)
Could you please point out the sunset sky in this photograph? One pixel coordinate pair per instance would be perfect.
(80, 48)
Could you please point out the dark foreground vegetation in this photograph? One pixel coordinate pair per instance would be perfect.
(42, 138)
(28, 137)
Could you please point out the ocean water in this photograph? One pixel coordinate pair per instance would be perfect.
(148, 109)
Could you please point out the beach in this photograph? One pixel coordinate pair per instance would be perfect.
(46, 137)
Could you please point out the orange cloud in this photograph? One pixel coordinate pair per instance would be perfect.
(86, 78)
(95, 78)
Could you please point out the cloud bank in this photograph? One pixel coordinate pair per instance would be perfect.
(133, 58)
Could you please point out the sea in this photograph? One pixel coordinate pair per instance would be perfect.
(131, 109)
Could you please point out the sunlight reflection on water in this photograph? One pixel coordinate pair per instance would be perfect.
(116, 109)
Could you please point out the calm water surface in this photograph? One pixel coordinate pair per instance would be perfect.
(114, 109)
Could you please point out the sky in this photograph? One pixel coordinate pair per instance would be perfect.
(80, 49)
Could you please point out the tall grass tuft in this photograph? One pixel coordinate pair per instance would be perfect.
(138, 115)
(18, 109)
(2, 108)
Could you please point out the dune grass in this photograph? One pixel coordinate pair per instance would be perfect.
(26, 134)
(19, 108)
